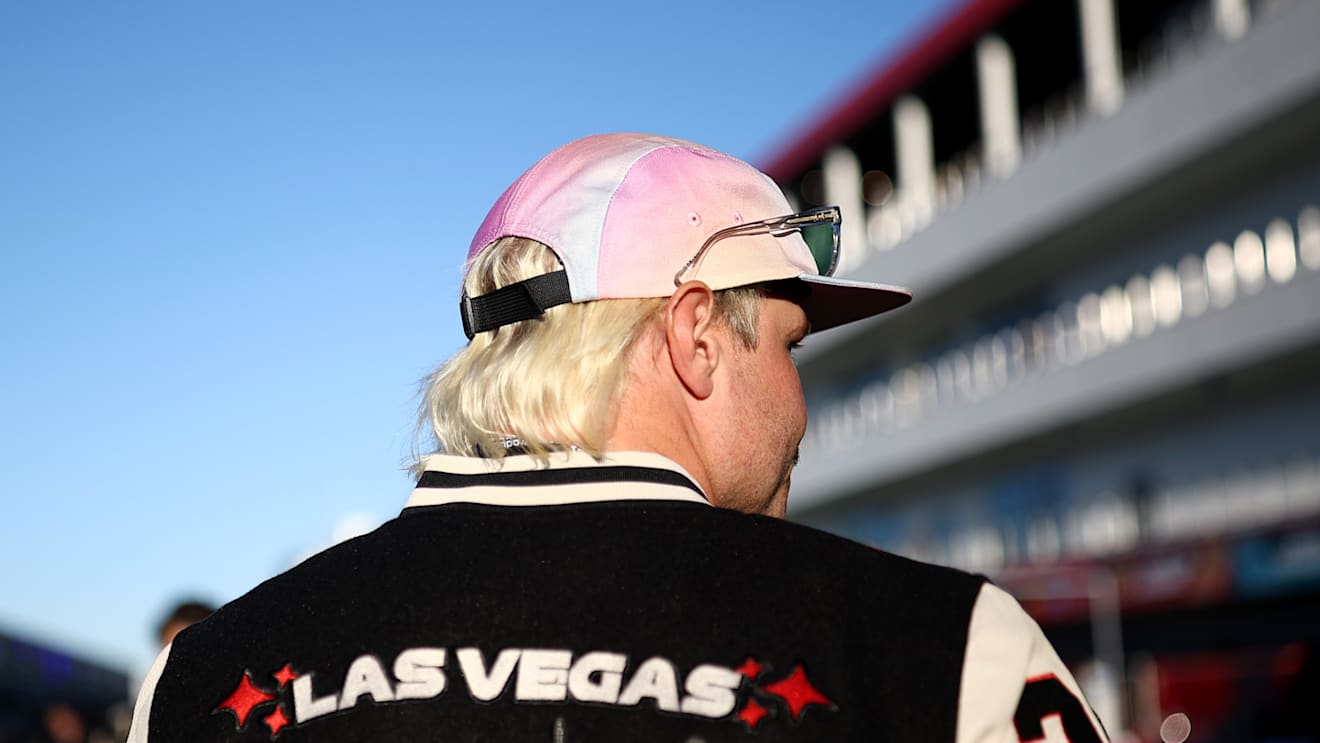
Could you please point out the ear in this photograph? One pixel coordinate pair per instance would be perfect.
(694, 347)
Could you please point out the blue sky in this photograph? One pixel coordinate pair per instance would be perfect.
(230, 241)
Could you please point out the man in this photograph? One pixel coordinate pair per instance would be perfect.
(559, 573)
(185, 614)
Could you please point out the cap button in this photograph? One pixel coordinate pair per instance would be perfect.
(694, 219)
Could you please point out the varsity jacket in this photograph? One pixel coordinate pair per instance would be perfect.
(607, 601)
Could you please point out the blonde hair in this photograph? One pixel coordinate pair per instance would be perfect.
(548, 383)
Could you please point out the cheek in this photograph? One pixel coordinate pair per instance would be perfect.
(791, 399)
(800, 407)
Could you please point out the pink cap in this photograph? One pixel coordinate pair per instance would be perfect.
(624, 212)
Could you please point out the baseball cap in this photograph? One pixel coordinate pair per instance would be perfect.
(625, 212)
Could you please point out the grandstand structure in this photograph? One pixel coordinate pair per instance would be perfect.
(1106, 392)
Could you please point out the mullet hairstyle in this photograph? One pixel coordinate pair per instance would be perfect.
(550, 383)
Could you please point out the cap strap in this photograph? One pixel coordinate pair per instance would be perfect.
(522, 300)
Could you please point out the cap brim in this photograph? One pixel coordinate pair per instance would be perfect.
(833, 302)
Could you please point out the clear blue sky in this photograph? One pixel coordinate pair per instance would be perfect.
(230, 240)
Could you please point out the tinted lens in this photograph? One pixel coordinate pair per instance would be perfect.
(823, 240)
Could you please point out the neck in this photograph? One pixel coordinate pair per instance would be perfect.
(649, 422)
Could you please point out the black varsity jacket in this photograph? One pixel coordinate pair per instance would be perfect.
(606, 601)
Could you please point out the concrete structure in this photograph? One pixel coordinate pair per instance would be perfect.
(1109, 213)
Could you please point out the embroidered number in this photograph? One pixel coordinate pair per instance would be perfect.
(1045, 697)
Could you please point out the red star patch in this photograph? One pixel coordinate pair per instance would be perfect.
(276, 721)
(797, 692)
(285, 675)
(750, 668)
(245, 697)
(751, 714)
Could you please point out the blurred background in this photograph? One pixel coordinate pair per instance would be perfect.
(231, 235)
(1106, 395)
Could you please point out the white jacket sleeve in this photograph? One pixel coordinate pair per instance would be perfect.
(137, 732)
(1014, 687)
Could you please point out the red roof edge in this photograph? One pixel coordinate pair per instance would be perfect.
(892, 78)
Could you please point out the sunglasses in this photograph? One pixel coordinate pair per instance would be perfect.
(819, 229)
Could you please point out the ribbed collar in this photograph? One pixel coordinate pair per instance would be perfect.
(570, 477)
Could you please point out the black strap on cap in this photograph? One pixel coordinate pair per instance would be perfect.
(523, 300)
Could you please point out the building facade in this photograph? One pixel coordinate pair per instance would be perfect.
(1106, 392)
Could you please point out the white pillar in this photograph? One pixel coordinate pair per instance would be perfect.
(1101, 57)
(1232, 17)
(915, 150)
(1001, 132)
(843, 187)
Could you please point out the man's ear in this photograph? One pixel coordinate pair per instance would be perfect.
(694, 347)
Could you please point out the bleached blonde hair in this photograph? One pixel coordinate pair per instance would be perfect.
(551, 382)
